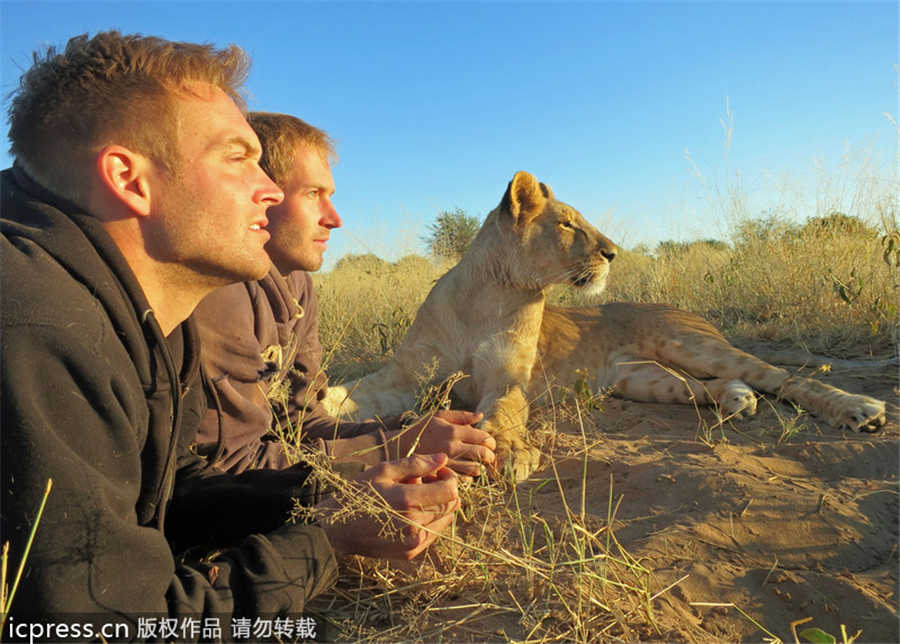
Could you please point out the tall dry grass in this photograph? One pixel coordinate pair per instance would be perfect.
(365, 306)
(829, 291)
(505, 570)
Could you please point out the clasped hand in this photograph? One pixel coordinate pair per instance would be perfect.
(419, 497)
(449, 432)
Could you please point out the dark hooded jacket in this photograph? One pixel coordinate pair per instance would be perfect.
(96, 398)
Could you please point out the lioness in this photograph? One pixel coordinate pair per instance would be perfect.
(487, 318)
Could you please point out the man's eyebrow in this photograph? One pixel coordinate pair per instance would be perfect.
(317, 186)
(251, 148)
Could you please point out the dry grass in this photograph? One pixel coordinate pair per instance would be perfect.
(786, 290)
(503, 572)
(365, 307)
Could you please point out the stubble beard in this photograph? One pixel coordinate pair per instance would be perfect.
(288, 262)
(204, 262)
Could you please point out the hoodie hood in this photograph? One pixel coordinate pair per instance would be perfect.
(81, 245)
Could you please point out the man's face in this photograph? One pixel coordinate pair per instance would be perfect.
(211, 210)
(301, 224)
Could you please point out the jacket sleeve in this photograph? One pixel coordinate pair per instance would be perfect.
(73, 410)
(251, 398)
(212, 509)
(234, 433)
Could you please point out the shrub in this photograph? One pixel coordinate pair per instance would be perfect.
(451, 233)
(367, 263)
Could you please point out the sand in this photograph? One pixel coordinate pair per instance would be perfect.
(784, 527)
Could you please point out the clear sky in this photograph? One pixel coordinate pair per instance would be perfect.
(435, 105)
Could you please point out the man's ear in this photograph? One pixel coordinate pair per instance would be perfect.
(123, 173)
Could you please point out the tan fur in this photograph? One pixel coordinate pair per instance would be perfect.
(486, 317)
(655, 353)
(483, 317)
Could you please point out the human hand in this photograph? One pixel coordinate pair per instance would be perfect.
(449, 432)
(420, 489)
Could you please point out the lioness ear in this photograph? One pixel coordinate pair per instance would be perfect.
(524, 198)
(547, 190)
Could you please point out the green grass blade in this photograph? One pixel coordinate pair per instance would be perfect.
(37, 520)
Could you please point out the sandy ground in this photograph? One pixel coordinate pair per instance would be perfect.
(783, 527)
(737, 530)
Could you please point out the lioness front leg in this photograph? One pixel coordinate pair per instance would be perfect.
(386, 392)
(505, 418)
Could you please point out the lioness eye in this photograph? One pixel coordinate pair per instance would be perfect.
(567, 225)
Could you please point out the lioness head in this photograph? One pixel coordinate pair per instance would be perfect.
(545, 241)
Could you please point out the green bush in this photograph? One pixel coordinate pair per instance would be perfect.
(450, 234)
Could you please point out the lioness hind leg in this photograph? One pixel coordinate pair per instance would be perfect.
(736, 398)
(653, 382)
(836, 406)
(714, 356)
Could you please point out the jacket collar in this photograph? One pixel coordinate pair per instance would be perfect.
(35, 189)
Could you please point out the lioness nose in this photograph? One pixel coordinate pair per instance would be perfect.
(608, 249)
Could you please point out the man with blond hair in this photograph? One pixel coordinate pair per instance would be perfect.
(261, 350)
(136, 192)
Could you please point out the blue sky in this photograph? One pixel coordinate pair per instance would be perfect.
(435, 105)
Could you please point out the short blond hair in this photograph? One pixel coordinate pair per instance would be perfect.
(280, 135)
(111, 88)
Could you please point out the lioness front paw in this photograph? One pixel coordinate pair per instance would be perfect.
(515, 458)
(520, 463)
(862, 414)
(737, 398)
